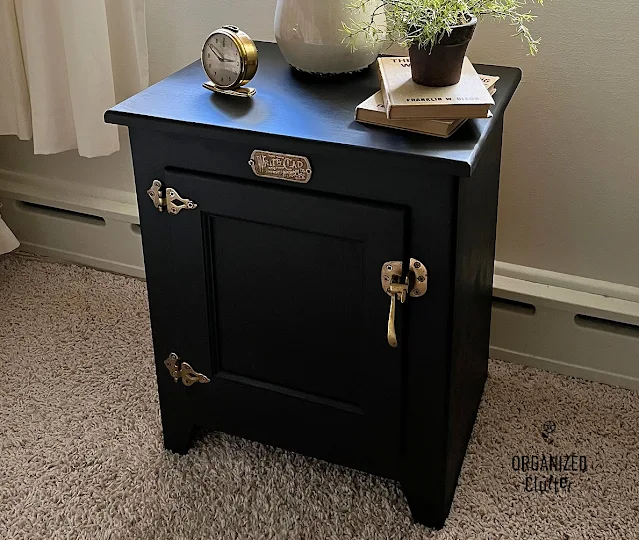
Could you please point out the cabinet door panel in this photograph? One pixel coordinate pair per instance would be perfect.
(283, 309)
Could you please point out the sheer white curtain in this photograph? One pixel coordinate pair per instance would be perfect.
(62, 64)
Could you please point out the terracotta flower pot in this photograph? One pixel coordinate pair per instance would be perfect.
(442, 65)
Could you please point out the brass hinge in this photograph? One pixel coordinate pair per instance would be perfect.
(171, 200)
(399, 286)
(182, 370)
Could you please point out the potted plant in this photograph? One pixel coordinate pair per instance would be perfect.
(437, 32)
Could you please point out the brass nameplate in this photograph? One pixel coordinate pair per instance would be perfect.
(281, 166)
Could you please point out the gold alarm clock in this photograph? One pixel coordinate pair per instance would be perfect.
(229, 58)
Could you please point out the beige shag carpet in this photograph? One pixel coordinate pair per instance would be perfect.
(81, 453)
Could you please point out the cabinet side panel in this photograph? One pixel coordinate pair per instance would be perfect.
(475, 259)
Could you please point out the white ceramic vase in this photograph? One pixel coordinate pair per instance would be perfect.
(309, 34)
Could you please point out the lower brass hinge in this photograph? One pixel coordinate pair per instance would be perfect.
(182, 370)
(171, 199)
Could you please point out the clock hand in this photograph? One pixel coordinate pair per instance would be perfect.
(219, 56)
(216, 53)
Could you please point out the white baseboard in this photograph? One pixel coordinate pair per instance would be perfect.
(567, 324)
(575, 332)
(567, 281)
(68, 221)
(75, 196)
(83, 259)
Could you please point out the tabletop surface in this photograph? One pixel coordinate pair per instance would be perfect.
(291, 104)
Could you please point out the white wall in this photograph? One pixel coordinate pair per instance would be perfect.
(569, 199)
(569, 195)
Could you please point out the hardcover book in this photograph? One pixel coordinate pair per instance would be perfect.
(373, 111)
(405, 99)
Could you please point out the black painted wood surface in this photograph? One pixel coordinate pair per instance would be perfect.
(272, 289)
(292, 105)
(290, 286)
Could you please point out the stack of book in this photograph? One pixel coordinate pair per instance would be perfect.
(406, 105)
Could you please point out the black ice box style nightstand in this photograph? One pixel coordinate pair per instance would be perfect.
(274, 302)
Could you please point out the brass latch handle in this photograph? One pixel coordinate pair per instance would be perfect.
(399, 287)
(398, 291)
(391, 335)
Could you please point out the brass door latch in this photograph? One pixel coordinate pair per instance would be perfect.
(171, 200)
(182, 370)
(400, 287)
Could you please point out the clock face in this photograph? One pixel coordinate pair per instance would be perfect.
(222, 60)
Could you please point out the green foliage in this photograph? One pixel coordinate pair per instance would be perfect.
(425, 22)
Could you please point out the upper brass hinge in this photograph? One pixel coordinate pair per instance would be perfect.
(170, 200)
(182, 370)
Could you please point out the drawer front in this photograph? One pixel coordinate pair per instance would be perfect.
(278, 301)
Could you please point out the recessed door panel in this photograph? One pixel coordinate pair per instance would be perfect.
(283, 315)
